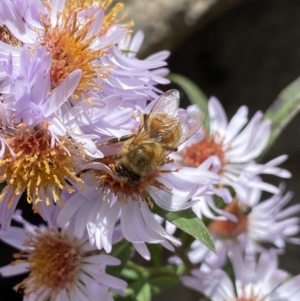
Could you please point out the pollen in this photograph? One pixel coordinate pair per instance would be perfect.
(37, 163)
(73, 47)
(112, 17)
(229, 229)
(198, 152)
(7, 37)
(124, 191)
(54, 263)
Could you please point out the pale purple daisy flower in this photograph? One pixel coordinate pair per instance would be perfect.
(85, 35)
(100, 209)
(61, 266)
(37, 154)
(233, 146)
(27, 96)
(122, 188)
(255, 281)
(76, 34)
(257, 222)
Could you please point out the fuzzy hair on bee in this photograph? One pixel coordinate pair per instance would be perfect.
(161, 131)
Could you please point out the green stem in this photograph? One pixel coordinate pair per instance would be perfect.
(181, 251)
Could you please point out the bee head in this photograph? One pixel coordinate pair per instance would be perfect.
(126, 175)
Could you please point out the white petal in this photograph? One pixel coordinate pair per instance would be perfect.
(12, 270)
(217, 115)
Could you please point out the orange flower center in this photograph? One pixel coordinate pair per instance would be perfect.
(198, 152)
(228, 229)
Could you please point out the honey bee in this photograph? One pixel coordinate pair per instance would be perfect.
(161, 131)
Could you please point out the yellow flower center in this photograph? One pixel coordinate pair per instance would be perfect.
(37, 166)
(54, 263)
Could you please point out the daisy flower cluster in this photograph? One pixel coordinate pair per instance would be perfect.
(243, 228)
(97, 148)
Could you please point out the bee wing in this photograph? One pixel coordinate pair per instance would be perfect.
(190, 121)
(141, 136)
(167, 103)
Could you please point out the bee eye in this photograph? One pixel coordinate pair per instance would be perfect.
(118, 169)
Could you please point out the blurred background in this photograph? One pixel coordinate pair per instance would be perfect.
(242, 52)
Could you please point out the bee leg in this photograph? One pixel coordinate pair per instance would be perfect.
(170, 148)
(80, 173)
(148, 199)
(120, 139)
(165, 161)
(169, 171)
(145, 122)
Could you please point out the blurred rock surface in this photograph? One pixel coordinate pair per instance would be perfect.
(168, 23)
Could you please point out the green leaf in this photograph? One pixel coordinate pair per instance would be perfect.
(145, 293)
(122, 251)
(159, 284)
(130, 295)
(129, 274)
(134, 288)
(155, 252)
(194, 94)
(283, 110)
(189, 222)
